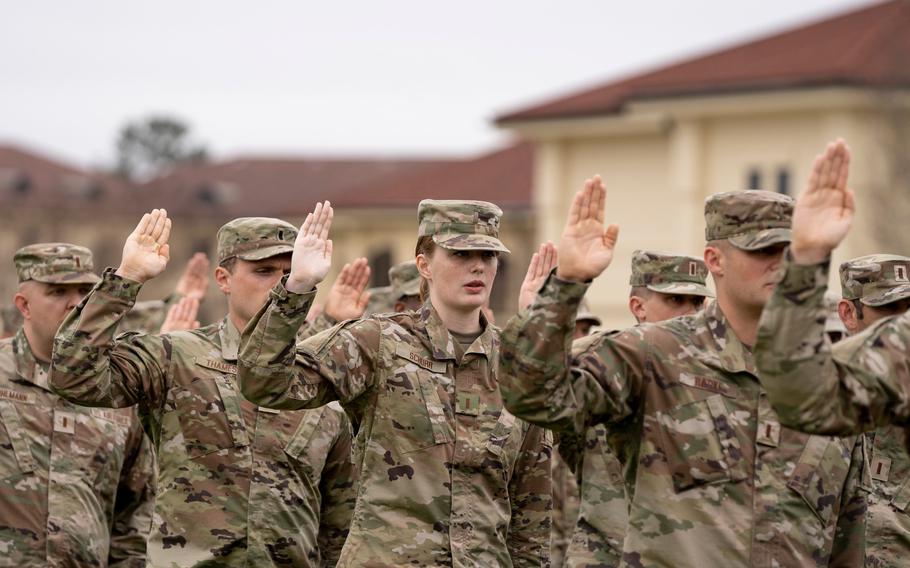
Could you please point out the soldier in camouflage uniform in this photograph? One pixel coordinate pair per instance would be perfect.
(447, 476)
(76, 483)
(664, 286)
(405, 281)
(860, 383)
(712, 477)
(239, 485)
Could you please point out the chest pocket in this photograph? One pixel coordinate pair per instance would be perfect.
(15, 456)
(210, 415)
(414, 408)
(700, 444)
(301, 447)
(820, 473)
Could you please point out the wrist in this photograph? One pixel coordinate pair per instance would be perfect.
(806, 254)
(126, 272)
(299, 286)
(569, 276)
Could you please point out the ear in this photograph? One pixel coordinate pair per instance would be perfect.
(714, 260)
(847, 312)
(22, 305)
(637, 307)
(399, 306)
(423, 266)
(223, 279)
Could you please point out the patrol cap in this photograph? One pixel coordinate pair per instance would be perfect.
(255, 238)
(405, 279)
(55, 263)
(669, 273)
(749, 220)
(876, 279)
(460, 225)
(380, 301)
(584, 313)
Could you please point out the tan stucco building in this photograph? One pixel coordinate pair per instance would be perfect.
(749, 117)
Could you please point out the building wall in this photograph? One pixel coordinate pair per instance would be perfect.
(662, 159)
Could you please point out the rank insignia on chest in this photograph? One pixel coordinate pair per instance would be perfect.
(881, 468)
(64, 422)
(768, 433)
(467, 403)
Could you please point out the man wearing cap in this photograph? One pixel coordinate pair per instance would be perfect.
(76, 483)
(712, 477)
(238, 485)
(663, 286)
(447, 476)
(405, 281)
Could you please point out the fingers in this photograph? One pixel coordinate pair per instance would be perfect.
(159, 220)
(305, 228)
(328, 214)
(361, 274)
(165, 233)
(198, 265)
(550, 258)
(533, 269)
(842, 175)
(599, 200)
(813, 183)
(611, 235)
(142, 226)
(575, 209)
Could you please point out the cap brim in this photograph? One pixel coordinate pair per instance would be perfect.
(886, 296)
(682, 288)
(410, 289)
(69, 278)
(756, 240)
(463, 241)
(266, 252)
(588, 317)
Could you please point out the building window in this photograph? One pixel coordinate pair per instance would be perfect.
(380, 263)
(783, 180)
(753, 179)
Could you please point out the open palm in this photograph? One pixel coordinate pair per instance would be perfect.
(586, 248)
(824, 212)
(146, 252)
(312, 255)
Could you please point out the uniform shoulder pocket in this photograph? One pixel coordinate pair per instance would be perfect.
(12, 434)
(820, 473)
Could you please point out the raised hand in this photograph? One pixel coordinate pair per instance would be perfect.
(194, 281)
(182, 316)
(542, 262)
(312, 256)
(824, 211)
(586, 248)
(146, 252)
(348, 297)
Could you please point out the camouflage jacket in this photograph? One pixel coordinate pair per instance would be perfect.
(565, 509)
(76, 483)
(714, 479)
(857, 384)
(238, 485)
(603, 513)
(447, 477)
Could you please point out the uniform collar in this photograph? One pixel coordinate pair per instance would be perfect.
(229, 338)
(441, 341)
(26, 364)
(729, 353)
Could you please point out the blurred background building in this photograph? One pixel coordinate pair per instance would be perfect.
(752, 116)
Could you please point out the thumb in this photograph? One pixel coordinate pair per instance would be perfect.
(165, 251)
(611, 235)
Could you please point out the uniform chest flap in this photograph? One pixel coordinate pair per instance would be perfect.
(209, 410)
(413, 408)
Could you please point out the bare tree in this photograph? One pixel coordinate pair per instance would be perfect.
(154, 146)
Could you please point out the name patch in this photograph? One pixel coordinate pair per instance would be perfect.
(16, 396)
(708, 384)
(405, 351)
(217, 365)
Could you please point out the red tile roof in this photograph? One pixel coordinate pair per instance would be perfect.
(867, 47)
(30, 180)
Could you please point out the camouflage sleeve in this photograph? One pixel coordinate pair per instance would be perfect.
(90, 368)
(530, 492)
(861, 383)
(134, 503)
(339, 494)
(849, 546)
(336, 364)
(319, 324)
(548, 381)
(148, 316)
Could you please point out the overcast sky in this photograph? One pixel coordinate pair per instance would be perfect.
(337, 78)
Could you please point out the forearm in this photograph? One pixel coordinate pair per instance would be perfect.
(82, 369)
(269, 371)
(530, 492)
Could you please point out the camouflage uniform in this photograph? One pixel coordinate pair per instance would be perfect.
(405, 280)
(380, 301)
(148, 316)
(76, 483)
(239, 485)
(848, 388)
(602, 520)
(712, 477)
(447, 476)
